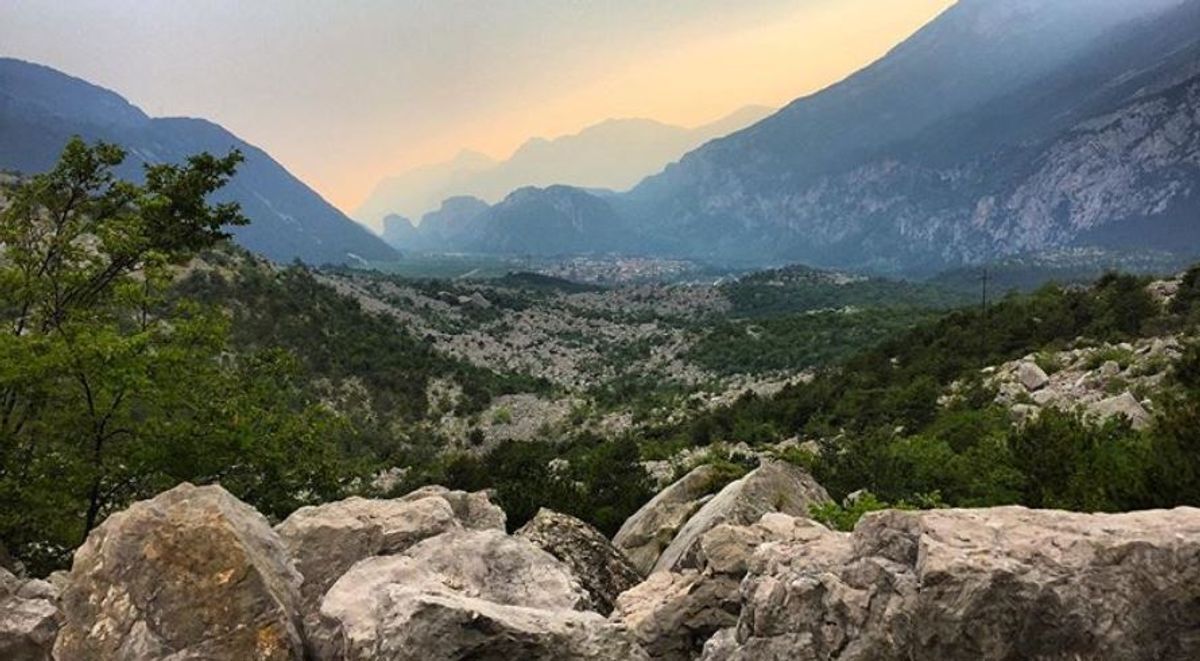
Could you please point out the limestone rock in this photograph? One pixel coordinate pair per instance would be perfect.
(1002, 583)
(672, 614)
(727, 549)
(650, 530)
(28, 619)
(603, 570)
(193, 573)
(474, 510)
(1125, 405)
(774, 486)
(328, 539)
(465, 594)
(1031, 376)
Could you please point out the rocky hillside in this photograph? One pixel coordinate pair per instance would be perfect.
(721, 573)
(40, 109)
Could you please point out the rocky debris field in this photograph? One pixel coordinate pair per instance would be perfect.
(738, 574)
(574, 339)
(1102, 381)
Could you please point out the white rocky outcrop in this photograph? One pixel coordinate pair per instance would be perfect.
(29, 618)
(644, 535)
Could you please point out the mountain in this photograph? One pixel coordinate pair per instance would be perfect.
(557, 220)
(1001, 127)
(454, 226)
(399, 232)
(41, 108)
(615, 154)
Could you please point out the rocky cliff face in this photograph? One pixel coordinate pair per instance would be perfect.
(1002, 128)
(912, 164)
(196, 574)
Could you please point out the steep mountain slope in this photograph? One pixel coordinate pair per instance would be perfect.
(954, 147)
(615, 154)
(40, 109)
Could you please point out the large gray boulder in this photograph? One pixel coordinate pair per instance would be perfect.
(1031, 376)
(603, 571)
(673, 614)
(327, 540)
(1124, 405)
(465, 594)
(774, 486)
(644, 535)
(1004, 583)
(193, 573)
(28, 619)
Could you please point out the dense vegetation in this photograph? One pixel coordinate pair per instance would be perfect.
(120, 378)
(112, 390)
(881, 427)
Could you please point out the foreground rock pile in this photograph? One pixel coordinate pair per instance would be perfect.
(737, 575)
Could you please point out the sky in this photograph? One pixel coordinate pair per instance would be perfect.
(346, 92)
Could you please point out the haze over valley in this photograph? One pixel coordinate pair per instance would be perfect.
(820, 330)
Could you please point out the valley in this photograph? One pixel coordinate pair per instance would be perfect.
(901, 365)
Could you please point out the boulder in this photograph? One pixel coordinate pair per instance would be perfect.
(1125, 405)
(474, 510)
(644, 535)
(465, 594)
(603, 571)
(328, 539)
(774, 486)
(673, 614)
(29, 619)
(1031, 376)
(727, 549)
(193, 573)
(994, 584)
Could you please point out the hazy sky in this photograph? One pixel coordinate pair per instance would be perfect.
(344, 92)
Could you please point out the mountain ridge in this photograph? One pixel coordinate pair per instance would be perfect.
(612, 154)
(41, 108)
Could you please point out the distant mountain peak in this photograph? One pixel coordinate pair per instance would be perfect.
(613, 154)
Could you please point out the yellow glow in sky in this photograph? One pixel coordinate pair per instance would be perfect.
(346, 92)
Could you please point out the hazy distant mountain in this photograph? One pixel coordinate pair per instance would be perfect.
(454, 226)
(1002, 127)
(399, 232)
(558, 220)
(40, 109)
(615, 155)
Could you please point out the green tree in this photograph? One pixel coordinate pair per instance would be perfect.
(112, 389)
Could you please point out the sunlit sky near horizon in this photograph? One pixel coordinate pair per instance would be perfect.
(345, 92)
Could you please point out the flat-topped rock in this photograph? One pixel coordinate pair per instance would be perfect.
(1002, 583)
